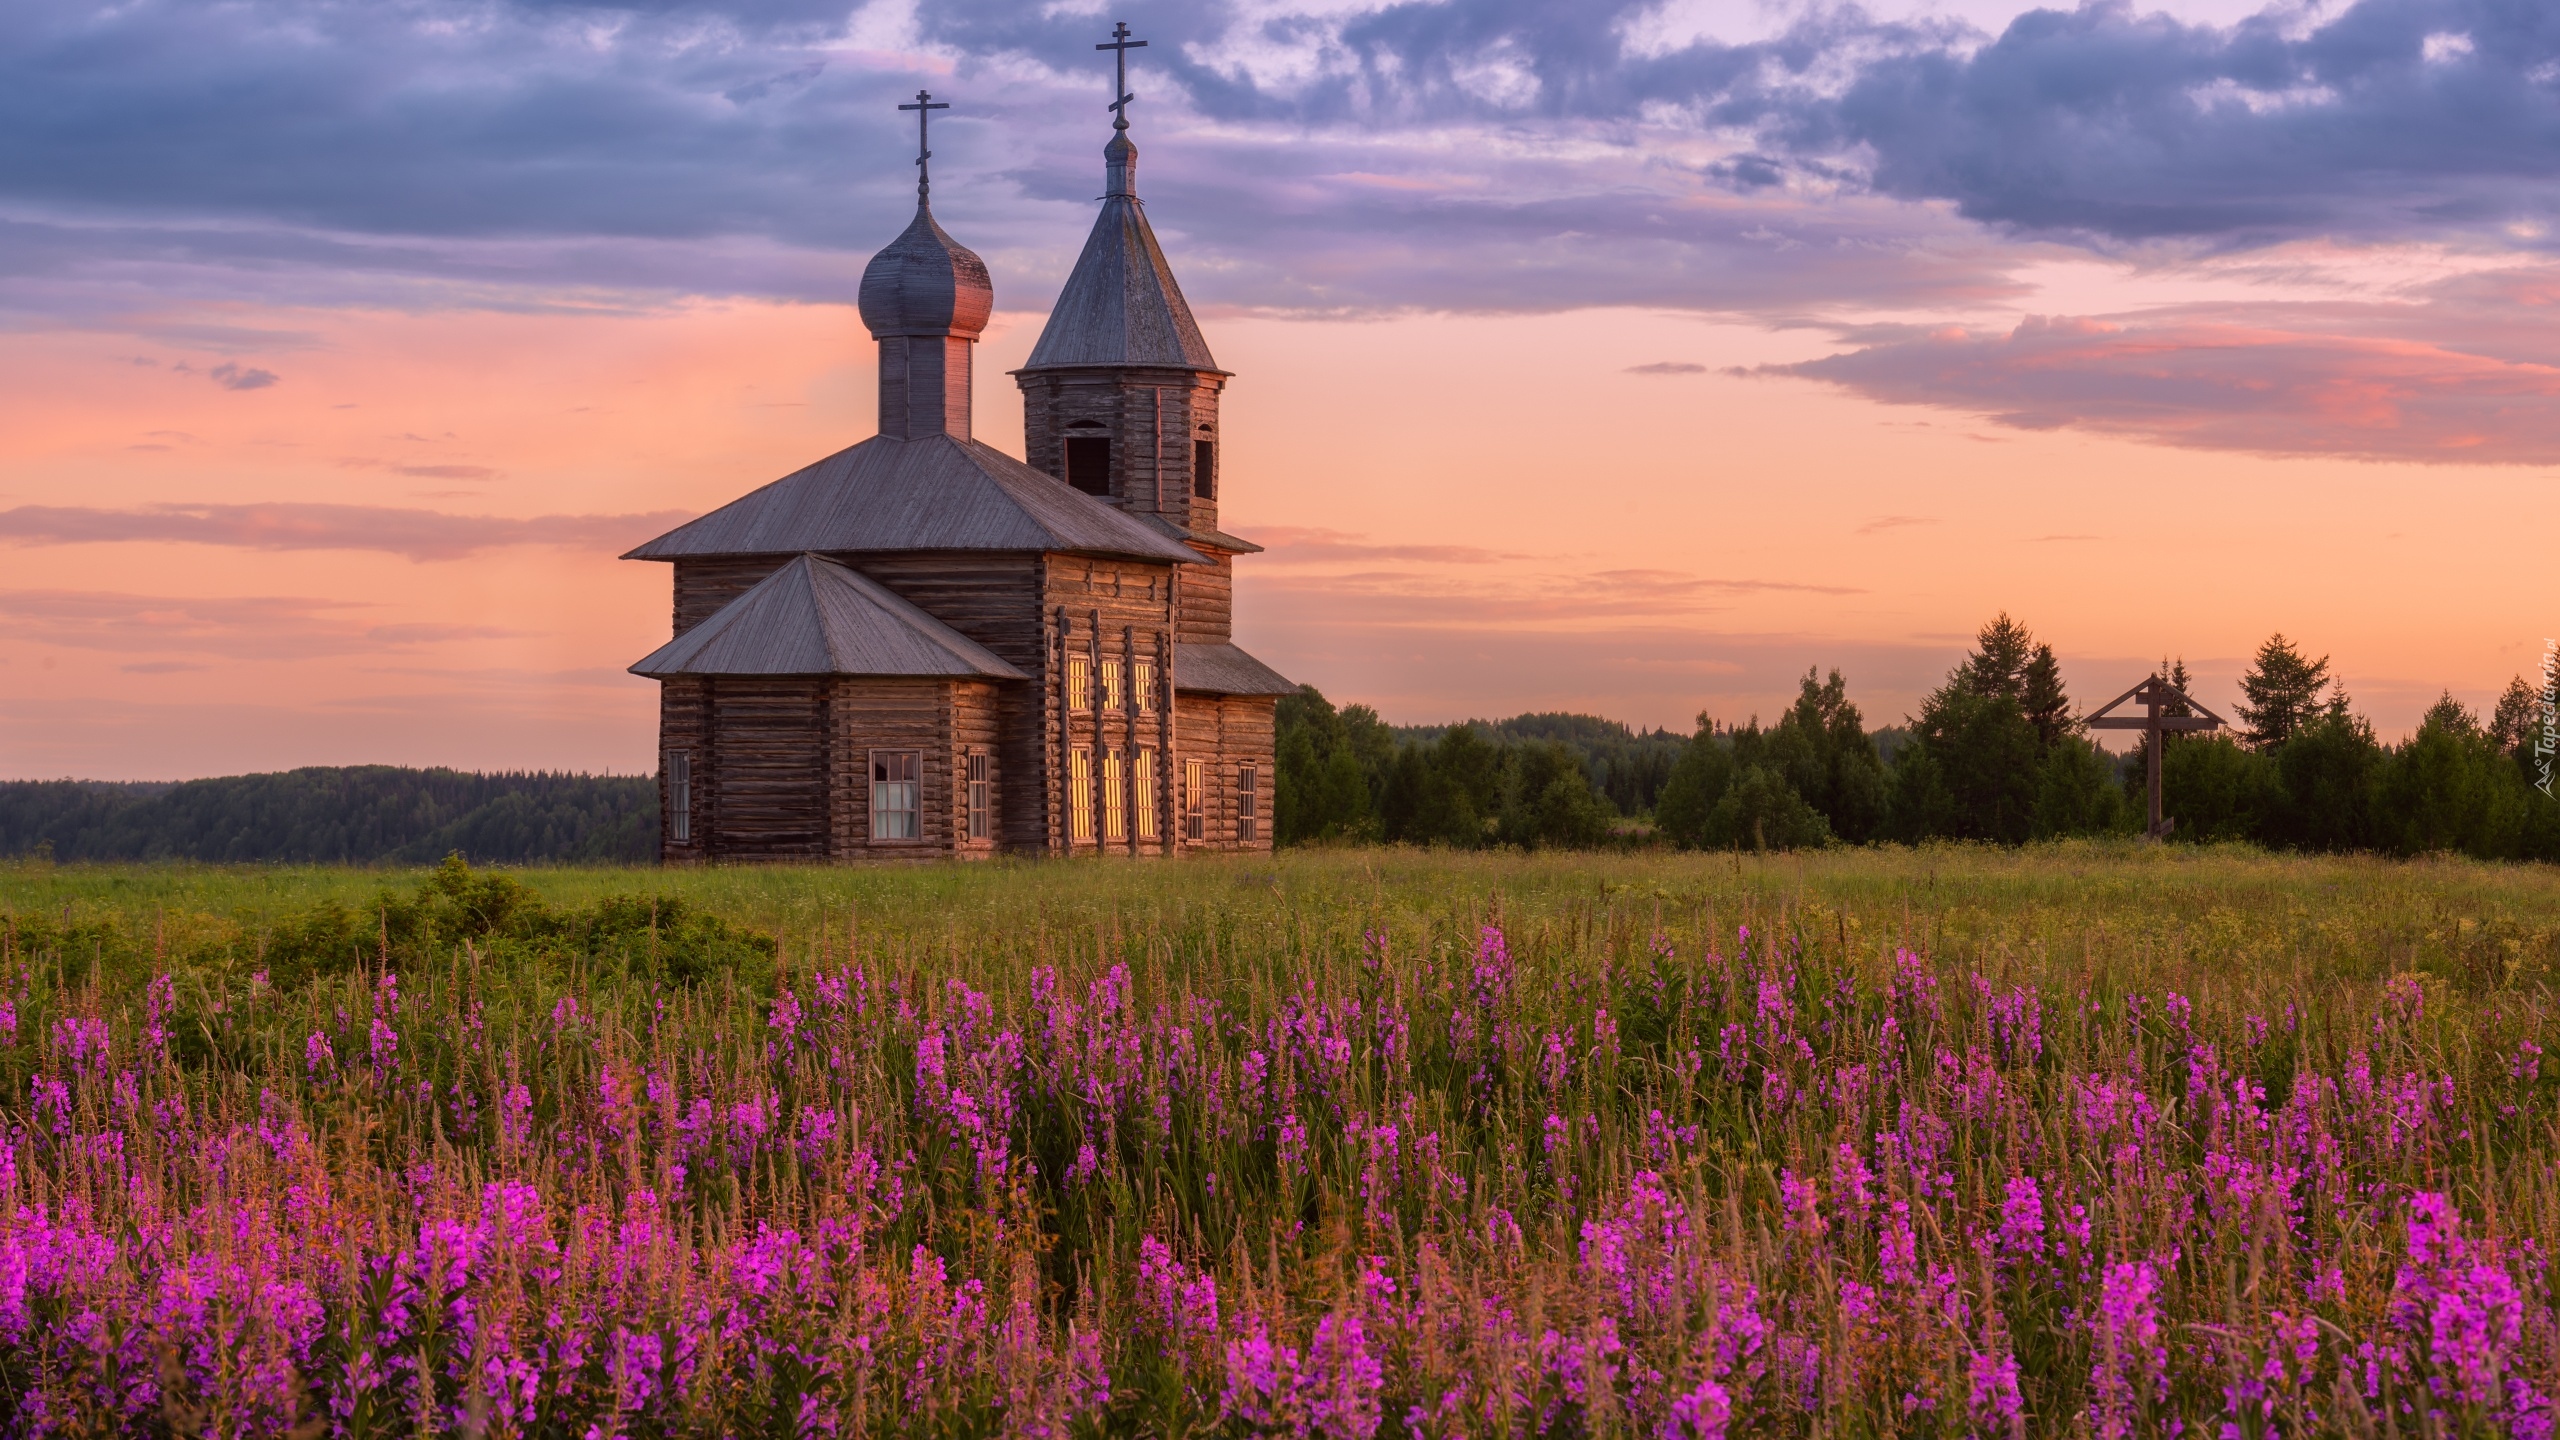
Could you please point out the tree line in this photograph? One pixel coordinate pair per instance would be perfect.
(357, 814)
(1996, 753)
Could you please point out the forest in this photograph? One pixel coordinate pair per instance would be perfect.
(357, 814)
(1997, 753)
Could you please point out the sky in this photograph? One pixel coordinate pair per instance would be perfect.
(1630, 358)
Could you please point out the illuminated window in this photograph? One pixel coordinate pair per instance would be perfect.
(895, 776)
(981, 786)
(1204, 469)
(1080, 797)
(1079, 683)
(680, 796)
(1111, 685)
(1146, 787)
(1142, 678)
(1195, 801)
(1246, 779)
(1115, 798)
(1089, 463)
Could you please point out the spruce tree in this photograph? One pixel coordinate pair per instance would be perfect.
(2281, 693)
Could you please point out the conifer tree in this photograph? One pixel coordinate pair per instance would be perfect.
(2282, 693)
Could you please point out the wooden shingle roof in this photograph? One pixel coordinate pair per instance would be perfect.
(1120, 305)
(933, 492)
(1225, 670)
(815, 617)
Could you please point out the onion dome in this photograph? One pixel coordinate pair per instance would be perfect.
(926, 283)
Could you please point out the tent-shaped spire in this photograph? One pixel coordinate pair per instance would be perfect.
(1121, 305)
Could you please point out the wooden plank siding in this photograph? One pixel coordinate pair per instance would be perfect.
(684, 727)
(769, 783)
(1206, 613)
(1153, 416)
(1227, 733)
(703, 586)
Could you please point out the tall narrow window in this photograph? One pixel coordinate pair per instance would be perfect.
(981, 796)
(1142, 678)
(1111, 685)
(1089, 463)
(1247, 779)
(1079, 683)
(680, 796)
(1204, 469)
(1146, 788)
(1195, 801)
(896, 779)
(1115, 798)
(1080, 797)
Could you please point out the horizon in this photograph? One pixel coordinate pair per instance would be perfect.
(343, 351)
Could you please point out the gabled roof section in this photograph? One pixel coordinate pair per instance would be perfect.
(1225, 670)
(815, 617)
(934, 492)
(1121, 305)
(1207, 537)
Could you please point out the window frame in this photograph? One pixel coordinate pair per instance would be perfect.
(1079, 796)
(1092, 448)
(1114, 699)
(1204, 467)
(680, 797)
(979, 798)
(1143, 781)
(1195, 801)
(1079, 684)
(1142, 684)
(1248, 807)
(1115, 798)
(911, 761)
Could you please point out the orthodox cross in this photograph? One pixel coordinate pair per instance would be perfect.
(2166, 708)
(924, 107)
(1121, 45)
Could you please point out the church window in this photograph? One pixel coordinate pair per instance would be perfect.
(680, 796)
(1195, 801)
(896, 779)
(1142, 678)
(1145, 766)
(1204, 469)
(981, 796)
(1080, 797)
(1079, 683)
(1247, 780)
(1089, 463)
(1111, 685)
(1115, 798)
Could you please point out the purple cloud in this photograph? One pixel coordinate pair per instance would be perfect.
(415, 534)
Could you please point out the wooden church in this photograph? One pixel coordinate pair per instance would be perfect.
(921, 647)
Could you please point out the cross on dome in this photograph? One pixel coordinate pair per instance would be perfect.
(924, 107)
(1120, 44)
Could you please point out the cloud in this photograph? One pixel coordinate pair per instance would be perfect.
(415, 534)
(233, 377)
(1882, 523)
(234, 627)
(1668, 367)
(161, 667)
(2274, 380)
(1305, 545)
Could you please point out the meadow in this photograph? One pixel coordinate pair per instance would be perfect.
(2082, 1139)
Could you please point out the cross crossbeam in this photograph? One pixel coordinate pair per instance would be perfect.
(924, 107)
(1120, 44)
(2161, 704)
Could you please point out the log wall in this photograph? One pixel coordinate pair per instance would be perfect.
(1153, 416)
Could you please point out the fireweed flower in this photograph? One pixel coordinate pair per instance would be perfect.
(2131, 1373)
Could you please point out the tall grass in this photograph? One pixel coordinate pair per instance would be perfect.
(2088, 1140)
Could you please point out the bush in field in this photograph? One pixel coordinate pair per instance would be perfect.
(1388, 1165)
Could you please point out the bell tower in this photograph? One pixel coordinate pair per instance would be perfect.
(1120, 396)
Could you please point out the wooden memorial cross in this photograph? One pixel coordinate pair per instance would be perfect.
(924, 107)
(1122, 44)
(2158, 698)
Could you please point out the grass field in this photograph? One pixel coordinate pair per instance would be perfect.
(2082, 1140)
